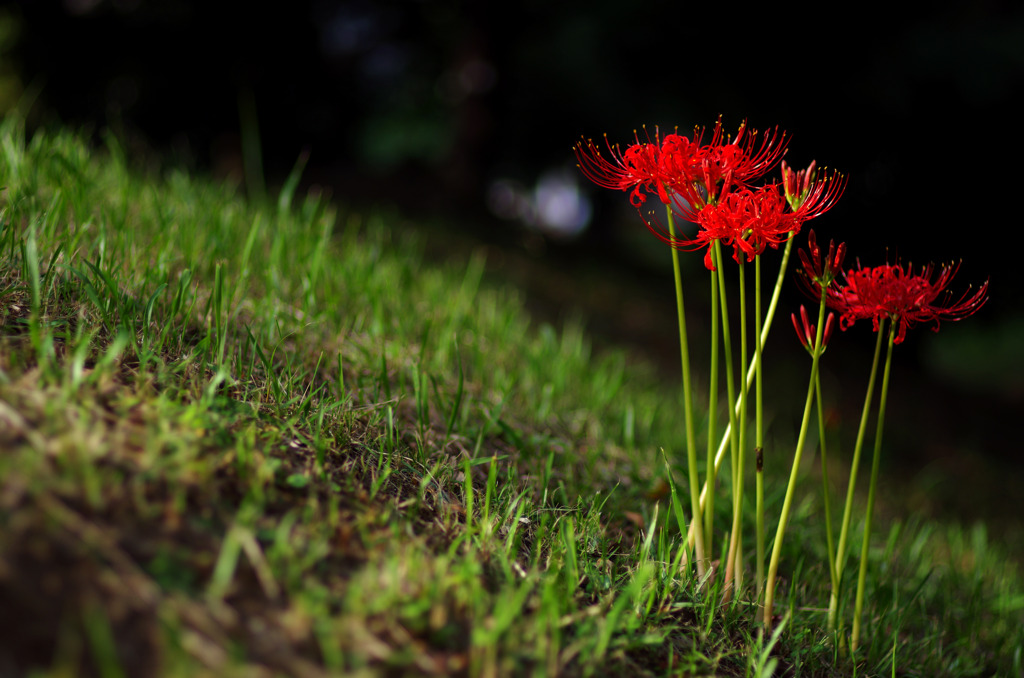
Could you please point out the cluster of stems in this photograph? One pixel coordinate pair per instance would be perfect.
(709, 184)
(702, 504)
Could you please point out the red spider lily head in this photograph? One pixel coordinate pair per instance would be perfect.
(746, 220)
(761, 155)
(904, 297)
(728, 162)
(797, 184)
(637, 169)
(819, 197)
(818, 274)
(808, 195)
(807, 334)
(680, 156)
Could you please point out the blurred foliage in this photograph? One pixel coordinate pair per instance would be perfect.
(982, 357)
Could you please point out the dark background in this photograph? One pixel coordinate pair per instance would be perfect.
(464, 113)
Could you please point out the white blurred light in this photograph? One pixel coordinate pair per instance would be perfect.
(561, 207)
(555, 206)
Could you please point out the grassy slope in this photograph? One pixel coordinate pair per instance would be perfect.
(247, 440)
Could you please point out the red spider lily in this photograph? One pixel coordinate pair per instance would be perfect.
(807, 334)
(681, 164)
(807, 195)
(746, 220)
(699, 173)
(708, 184)
(741, 160)
(797, 184)
(757, 163)
(816, 273)
(714, 169)
(749, 220)
(904, 297)
(638, 168)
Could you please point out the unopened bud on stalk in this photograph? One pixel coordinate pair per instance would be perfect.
(806, 334)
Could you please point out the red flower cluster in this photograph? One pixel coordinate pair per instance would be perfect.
(698, 173)
(638, 168)
(906, 298)
(746, 220)
(710, 184)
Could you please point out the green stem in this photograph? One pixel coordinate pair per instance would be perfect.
(691, 444)
(769, 316)
(773, 566)
(862, 576)
(759, 442)
(844, 531)
(731, 389)
(833, 580)
(712, 476)
(737, 505)
(734, 407)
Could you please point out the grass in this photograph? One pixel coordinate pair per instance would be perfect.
(263, 438)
